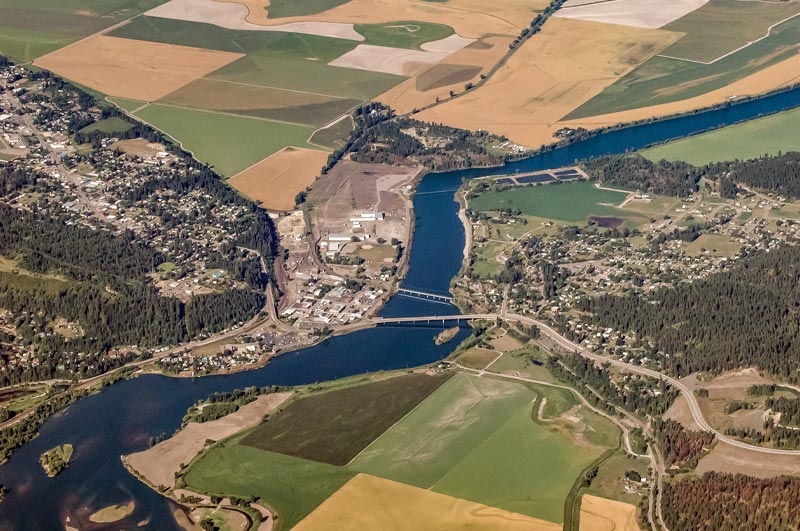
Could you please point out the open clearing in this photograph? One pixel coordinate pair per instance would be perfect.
(564, 202)
(566, 65)
(159, 464)
(32, 28)
(752, 139)
(639, 13)
(763, 66)
(276, 180)
(734, 460)
(130, 69)
(722, 26)
(600, 514)
(368, 502)
(334, 427)
(292, 487)
(229, 143)
(475, 439)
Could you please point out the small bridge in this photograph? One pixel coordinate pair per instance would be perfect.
(425, 295)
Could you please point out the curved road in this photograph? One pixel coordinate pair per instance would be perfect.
(694, 406)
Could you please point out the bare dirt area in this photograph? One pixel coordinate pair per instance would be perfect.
(567, 64)
(368, 502)
(133, 69)
(727, 458)
(452, 73)
(241, 16)
(469, 18)
(399, 61)
(158, 464)
(139, 147)
(600, 514)
(639, 13)
(783, 74)
(679, 412)
(276, 180)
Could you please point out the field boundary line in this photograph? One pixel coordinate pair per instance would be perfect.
(255, 85)
(399, 421)
(330, 124)
(740, 48)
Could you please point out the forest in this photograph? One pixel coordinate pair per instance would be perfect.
(717, 501)
(743, 317)
(779, 173)
(638, 173)
(680, 446)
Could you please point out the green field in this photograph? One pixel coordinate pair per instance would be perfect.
(109, 125)
(334, 427)
(292, 487)
(748, 140)
(475, 439)
(293, 8)
(335, 136)
(127, 105)
(274, 59)
(662, 80)
(721, 26)
(564, 202)
(32, 28)
(229, 143)
(403, 34)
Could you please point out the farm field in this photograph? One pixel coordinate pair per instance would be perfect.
(752, 139)
(477, 358)
(334, 136)
(570, 202)
(229, 143)
(292, 487)
(403, 34)
(109, 125)
(335, 426)
(568, 63)
(722, 26)
(276, 180)
(638, 13)
(600, 514)
(662, 80)
(475, 439)
(32, 28)
(368, 502)
(137, 70)
(519, 363)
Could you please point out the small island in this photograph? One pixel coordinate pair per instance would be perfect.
(446, 335)
(56, 459)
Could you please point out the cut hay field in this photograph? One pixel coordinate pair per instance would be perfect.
(276, 180)
(475, 439)
(662, 80)
(722, 26)
(600, 514)
(368, 502)
(273, 59)
(335, 426)
(755, 138)
(566, 65)
(570, 202)
(229, 143)
(638, 13)
(32, 28)
(137, 70)
(292, 487)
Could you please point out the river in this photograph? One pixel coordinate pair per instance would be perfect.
(120, 419)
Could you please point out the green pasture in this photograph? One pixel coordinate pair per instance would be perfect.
(127, 105)
(768, 135)
(663, 80)
(569, 202)
(273, 59)
(334, 427)
(229, 143)
(476, 438)
(292, 487)
(32, 28)
(335, 136)
(294, 8)
(403, 34)
(109, 125)
(721, 26)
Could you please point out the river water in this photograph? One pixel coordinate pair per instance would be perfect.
(120, 419)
